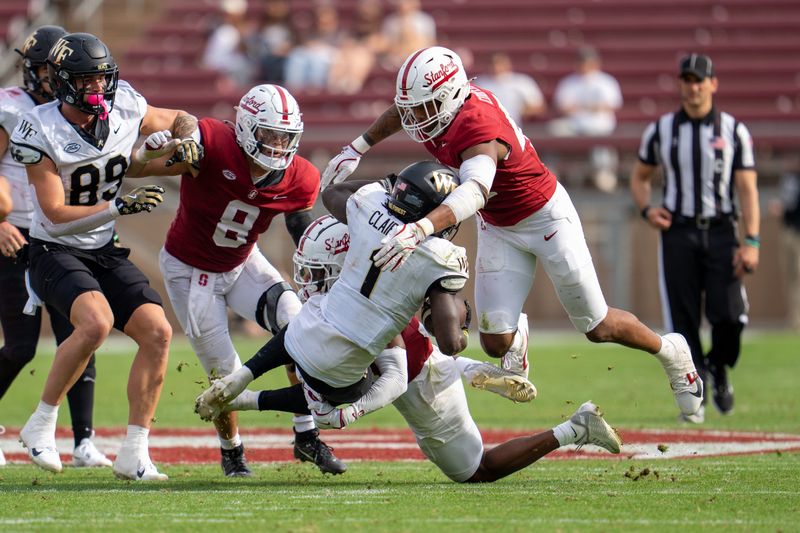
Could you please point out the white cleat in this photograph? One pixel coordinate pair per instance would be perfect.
(598, 432)
(134, 466)
(516, 361)
(697, 418)
(214, 400)
(683, 378)
(40, 440)
(486, 376)
(87, 455)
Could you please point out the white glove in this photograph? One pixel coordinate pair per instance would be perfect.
(155, 145)
(139, 199)
(325, 415)
(402, 244)
(345, 163)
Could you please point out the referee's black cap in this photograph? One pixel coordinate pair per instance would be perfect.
(697, 64)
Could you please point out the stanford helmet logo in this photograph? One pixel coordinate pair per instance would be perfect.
(445, 72)
(252, 105)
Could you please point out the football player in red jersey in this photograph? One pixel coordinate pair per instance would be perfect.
(525, 217)
(249, 174)
(444, 428)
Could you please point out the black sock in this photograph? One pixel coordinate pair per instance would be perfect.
(271, 355)
(288, 400)
(81, 403)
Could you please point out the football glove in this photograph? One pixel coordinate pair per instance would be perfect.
(324, 414)
(187, 150)
(397, 248)
(155, 145)
(344, 164)
(139, 199)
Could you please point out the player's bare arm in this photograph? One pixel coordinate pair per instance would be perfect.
(5, 199)
(334, 198)
(745, 259)
(44, 178)
(641, 190)
(297, 222)
(447, 320)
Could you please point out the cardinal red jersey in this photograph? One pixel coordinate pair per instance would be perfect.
(418, 347)
(221, 213)
(522, 184)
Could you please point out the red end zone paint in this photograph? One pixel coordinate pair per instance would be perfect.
(200, 445)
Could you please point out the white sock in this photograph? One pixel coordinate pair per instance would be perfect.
(517, 343)
(664, 354)
(136, 437)
(229, 444)
(47, 412)
(568, 433)
(246, 401)
(303, 423)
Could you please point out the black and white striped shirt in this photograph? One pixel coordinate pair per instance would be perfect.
(699, 158)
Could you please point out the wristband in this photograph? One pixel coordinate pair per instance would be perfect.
(752, 240)
(113, 207)
(360, 144)
(644, 211)
(426, 226)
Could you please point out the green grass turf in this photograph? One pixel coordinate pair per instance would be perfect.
(758, 493)
(745, 493)
(629, 385)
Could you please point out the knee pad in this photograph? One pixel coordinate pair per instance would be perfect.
(272, 311)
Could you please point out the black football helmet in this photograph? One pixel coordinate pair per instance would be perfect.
(418, 189)
(76, 56)
(34, 55)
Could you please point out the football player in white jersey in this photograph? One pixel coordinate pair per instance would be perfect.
(336, 337)
(435, 406)
(76, 151)
(21, 331)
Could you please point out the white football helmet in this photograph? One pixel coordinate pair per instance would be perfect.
(431, 88)
(319, 257)
(268, 126)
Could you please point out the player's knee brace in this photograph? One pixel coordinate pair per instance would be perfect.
(276, 307)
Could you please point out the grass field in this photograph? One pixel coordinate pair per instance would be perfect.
(747, 492)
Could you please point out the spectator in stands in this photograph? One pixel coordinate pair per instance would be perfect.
(274, 41)
(226, 48)
(788, 208)
(406, 30)
(309, 62)
(588, 99)
(359, 49)
(518, 92)
(706, 156)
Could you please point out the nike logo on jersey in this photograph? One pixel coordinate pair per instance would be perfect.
(117, 129)
(229, 175)
(548, 237)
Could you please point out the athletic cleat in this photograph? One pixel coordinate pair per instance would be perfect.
(212, 402)
(87, 455)
(233, 462)
(2, 457)
(486, 376)
(40, 440)
(697, 418)
(598, 432)
(516, 361)
(722, 389)
(309, 448)
(687, 386)
(133, 466)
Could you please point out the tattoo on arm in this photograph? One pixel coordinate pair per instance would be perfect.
(385, 126)
(183, 126)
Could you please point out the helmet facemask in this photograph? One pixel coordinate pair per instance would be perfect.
(313, 277)
(320, 255)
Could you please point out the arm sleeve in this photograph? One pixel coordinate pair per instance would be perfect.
(391, 384)
(81, 225)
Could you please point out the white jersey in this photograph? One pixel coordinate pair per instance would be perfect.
(89, 173)
(14, 102)
(336, 337)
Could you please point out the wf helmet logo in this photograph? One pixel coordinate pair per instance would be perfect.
(445, 72)
(30, 42)
(444, 182)
(60, 51)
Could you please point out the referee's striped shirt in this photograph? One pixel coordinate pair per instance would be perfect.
(699, 158)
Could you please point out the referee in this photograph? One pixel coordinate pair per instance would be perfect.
(707, 244)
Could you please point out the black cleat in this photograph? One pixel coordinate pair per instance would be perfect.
(308, 447)
(723, 390)
(233, 462)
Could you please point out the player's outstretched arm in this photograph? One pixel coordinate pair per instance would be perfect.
(334, 198)
(181, 155)
(345, 163)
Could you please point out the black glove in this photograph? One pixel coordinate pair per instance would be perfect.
(188, 150)
(139, 199)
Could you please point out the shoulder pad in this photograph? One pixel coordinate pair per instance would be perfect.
(24, 154)
(452, 283)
